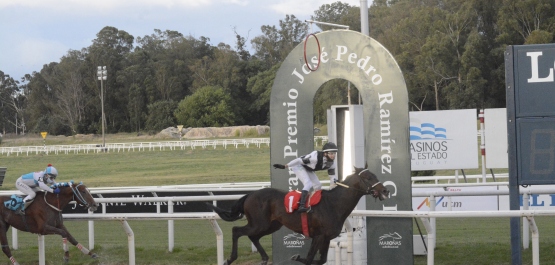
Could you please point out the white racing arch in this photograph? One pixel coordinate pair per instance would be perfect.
(370, 67)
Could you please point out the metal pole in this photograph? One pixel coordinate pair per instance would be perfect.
(364, 24)
(102, 102)
(483, 144)
(102, 75)
(525, 223)
(349, 93)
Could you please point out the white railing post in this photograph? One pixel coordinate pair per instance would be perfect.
(171, 233)
(42, 256)
(432, 243)
(130, 241)
(15, 244)
(431, 240)
(219, 240)
(535, 241)
(525, 224)
(91, 232)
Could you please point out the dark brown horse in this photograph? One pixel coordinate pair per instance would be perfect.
(44, 216)
(266, 213)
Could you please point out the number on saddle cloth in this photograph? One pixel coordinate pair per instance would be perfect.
(293, 197)
(14, 203)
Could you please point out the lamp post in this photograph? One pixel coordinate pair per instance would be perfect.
(102, 74)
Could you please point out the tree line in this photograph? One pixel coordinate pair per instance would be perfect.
(451, 53)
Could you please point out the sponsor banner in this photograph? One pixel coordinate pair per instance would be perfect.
(294, 240)
(457, 203)
(443, 139)
(537, 201)
(152, 207)
(495, 127)
(390, 240)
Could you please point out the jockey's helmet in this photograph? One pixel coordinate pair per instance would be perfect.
(51, 171)
(329, 147)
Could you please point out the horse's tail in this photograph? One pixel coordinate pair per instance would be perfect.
(237, 211)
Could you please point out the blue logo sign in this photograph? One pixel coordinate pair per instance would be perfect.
(427, 131)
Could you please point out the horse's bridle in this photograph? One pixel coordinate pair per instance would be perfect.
(369, 188)
(80, 199)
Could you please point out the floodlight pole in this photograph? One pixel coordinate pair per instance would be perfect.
(102, 74)
(364, 24)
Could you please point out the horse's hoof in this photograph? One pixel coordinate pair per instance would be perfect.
(295, 257)
(66, 259)
(264, 262)
(94, 256)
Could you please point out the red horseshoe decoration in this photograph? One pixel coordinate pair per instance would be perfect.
(305, 60)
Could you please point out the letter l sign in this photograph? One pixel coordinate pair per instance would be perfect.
(535, 74)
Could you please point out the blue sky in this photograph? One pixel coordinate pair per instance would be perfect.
(37, 32)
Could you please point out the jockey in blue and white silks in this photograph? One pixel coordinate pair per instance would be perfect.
(32, 182)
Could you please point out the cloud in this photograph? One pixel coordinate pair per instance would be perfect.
(237, 2)
(106, 5)
(42, 31)
(305, 7)
(38, 52)
(298, 8)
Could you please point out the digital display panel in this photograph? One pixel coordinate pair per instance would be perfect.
(536, 145)
(530, 87)
(530, 79)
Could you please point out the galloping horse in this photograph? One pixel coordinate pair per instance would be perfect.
(266, 213)
(44, 216)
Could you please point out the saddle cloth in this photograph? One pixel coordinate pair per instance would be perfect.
(292, 198)
(14, 203)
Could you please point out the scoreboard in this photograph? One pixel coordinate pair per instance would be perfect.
(531, 112)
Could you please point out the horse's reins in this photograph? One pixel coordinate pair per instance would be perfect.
(75, 194)
(51, 206)
(367, 190)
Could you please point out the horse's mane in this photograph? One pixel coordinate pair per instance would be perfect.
(67, 184)
(61, 185)
(356, 171)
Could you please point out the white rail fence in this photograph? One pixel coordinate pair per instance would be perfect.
(139, 146)
(456, 178)
(428, 217)
(132, 146)
(529, 214)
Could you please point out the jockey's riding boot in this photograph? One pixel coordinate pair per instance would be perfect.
(302, 203)
(24, 205)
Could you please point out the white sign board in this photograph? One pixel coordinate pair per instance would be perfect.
(457, 203)
(495, 127)
(444, 139)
